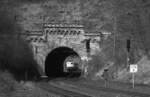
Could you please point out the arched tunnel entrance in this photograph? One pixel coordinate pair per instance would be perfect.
(55, 64)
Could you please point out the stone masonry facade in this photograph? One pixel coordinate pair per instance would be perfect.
(62, 35)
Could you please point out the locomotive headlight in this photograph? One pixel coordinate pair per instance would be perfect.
(69, 64)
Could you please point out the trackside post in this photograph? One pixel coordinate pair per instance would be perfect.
(133, 70)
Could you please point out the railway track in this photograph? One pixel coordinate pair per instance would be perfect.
(60, 91)
(109, 89)
(79, 88)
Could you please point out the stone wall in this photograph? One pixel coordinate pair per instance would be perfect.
(61, 35)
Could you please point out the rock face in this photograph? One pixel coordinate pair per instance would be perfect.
(76, 24)
(50, 25)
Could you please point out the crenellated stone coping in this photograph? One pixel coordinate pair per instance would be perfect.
(92, 34)
(32, 33)
(62, 25)
(97, 33)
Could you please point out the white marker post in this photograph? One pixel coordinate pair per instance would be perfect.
(133, 69)
(133, 80)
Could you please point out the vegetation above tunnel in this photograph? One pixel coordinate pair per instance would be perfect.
(126, 19)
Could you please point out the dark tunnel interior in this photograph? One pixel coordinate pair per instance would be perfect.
(55, 60)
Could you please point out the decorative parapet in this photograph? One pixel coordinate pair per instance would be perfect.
(63, 30)
(34, 36)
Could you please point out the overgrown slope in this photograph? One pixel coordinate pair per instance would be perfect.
(125, 19)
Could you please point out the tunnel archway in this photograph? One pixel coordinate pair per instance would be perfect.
(54, 63)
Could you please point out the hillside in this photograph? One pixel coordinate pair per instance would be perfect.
(125, 19)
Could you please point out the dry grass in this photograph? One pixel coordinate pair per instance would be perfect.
(142, 76)
(11, 88)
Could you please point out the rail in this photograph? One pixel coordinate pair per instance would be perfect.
(60, 91)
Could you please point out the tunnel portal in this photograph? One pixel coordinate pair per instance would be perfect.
(54, 64)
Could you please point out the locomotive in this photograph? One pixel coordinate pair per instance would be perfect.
(72, 65)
